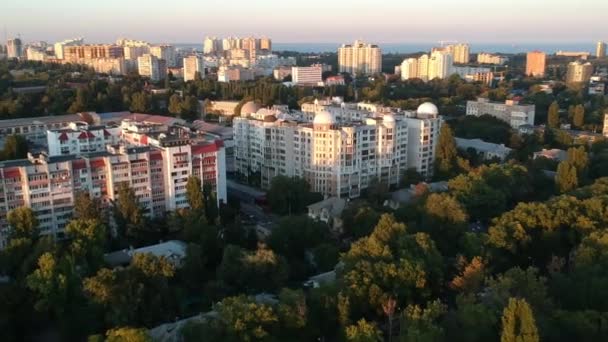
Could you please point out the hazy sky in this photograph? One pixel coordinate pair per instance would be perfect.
(379, 21)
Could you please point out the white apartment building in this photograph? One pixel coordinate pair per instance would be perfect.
(360, 58)
(510, 111)
(488, 58)
(579, 72)
(337, 157)
(461, 52)
(166, 52)
(409, 69)
(155, 164)
(151, 66)
(192, 65)
(311, 75)
(59, 46)
(80, 138)
(440, 65)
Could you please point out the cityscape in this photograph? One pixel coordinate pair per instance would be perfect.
(257, 186)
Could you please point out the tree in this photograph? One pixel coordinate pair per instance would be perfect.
(566, 178)
(140, 103)
(23, 223)
(246, 320)
(190, 111)
(446, 153)
(194, 195)
(578, 119)
(422, 324)
(128, 335)
(363, 331)
(87, 207)
(50, 283)
(88, 240)
(577, 157)
(289, 196)
(128, 213)
(15, 147)
(445, 220)
(553, 115)
(175, 105)
(518, 323)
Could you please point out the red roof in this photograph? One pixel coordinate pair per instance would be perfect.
(79, 164)
(106, 133)
(98, 163)
(63, 137)
(12, 173)
(156, 156)
(208, 148)
(144, 139)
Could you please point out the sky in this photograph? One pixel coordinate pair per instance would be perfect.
(319, 21)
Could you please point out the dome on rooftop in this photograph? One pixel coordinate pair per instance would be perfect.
(388, 119)
(427, 108)
(323, 118)
(270, 118)
(250, 108)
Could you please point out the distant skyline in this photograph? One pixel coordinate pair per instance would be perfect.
(312, 21)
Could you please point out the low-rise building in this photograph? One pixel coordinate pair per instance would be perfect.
(488, 58)
(311, 75)
(488, 150)
(235, 73)
(553, 154)
(510, 111)
(334, 81)
(173, 251)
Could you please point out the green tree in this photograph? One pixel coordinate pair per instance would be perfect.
(566, 178)
(363, 331)
(128, 335)
(247, 320)
(578, 119)
(518, 323)
(289, 196)
(446, 153)
(87, 207)
(23, 223)
(15, 147)
(88, 240)
(194, 195)
(128, 213)
(577, 157)
(422, 324)
(140, 103)
(175, 105)
(553, 115)
(50, 283)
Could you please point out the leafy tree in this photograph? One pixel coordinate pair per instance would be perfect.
(175, 105)
(518, 322)
(578, 119)
(128, 335)
(194, 195)
(289, 196)
(566, 178)
(577, 157)
(128, 213)
(87, 207)
(140, 103)
(471, 276)
(88, 240)
(49, 282)
(363, 331)
(445, 220)
(422, 324)
(15, 147)
(446, 153)
(553, 115)
(23, 222)
(359, 219)
(246, 320)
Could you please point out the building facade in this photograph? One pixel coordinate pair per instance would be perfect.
(600, 50)
(155, 165)
(75, 53)
(360, 58)
(166, 52)
(336, 156)
(535, 64)
(311, 75)
(59, 46)
(151, 66)
(510, 111)
(489, 58)
(460, 52)
(14, 48)
(192, 65)
(579, 72)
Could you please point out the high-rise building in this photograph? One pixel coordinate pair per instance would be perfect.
(133, 48)
(600, 50)
(336, 155)
(423, 67)
(579, 72)
(311, 75)
(166, 52)
(510, 111)
(535, 64)
(35, 54)
(440, 65)
(14, 48)
(151, 66)
(488, 58)
(153, 159)
(360, 58)
(265, 44)
(74, 53)
(60, 46)
(409, 69)
(212, 45)
(192, 65)
(460, 52)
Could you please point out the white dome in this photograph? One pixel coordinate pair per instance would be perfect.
(250, 108)
(388, 119)
(427, 108)
(323, 118)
